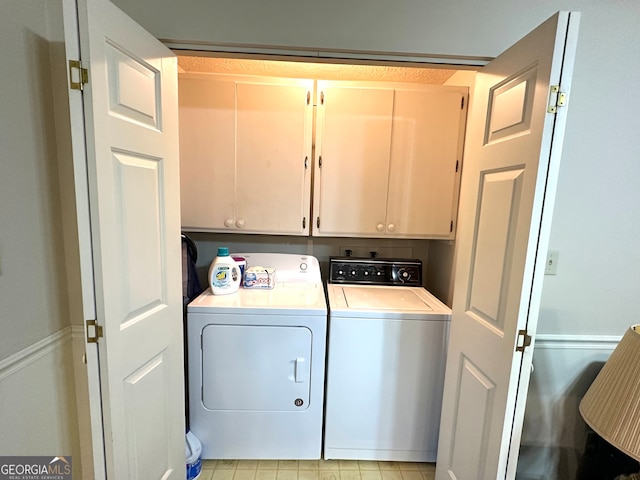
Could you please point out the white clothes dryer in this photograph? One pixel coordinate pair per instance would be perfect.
(386, 362)
(256, 362)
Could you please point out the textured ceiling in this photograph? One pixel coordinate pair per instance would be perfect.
(321, 71)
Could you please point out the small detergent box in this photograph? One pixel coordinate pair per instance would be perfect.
(260, 277)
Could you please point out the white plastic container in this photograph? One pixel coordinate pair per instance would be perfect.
(224, 273)
(193, 452)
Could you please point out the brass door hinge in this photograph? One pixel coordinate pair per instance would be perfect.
(524, 340)
(94, 331)
(78, 76)
(556, 99)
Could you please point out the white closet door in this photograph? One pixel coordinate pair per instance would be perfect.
(130, 110)
(514, 148)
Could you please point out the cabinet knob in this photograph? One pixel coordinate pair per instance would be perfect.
(240, 223)
(380, 227)
(228, 222)
(391, 227)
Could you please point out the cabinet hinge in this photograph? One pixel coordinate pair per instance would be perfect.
(308, 97)
(462, 103)
(304, 222)
(94, 331)
(306, 162)
(556, 99)
(451, 227)
(320, 161)
(78, 76)
(457, 165)
(321, 98)
(318, 222)
(524, 340)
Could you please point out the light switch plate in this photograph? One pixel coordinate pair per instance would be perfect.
(551, 266)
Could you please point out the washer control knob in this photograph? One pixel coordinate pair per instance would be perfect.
(403, 275)
(303, 266)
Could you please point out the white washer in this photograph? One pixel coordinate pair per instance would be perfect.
(256, 365)
(386, 361)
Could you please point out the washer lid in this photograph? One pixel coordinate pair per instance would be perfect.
(385, 302)
(385, 299)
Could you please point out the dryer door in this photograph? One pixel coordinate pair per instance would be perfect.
(255, 367)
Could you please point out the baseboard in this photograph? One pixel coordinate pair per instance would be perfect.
(32, 353)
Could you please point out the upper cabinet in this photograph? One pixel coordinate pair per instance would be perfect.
(388, 160)
(245, 154)
(387, 156)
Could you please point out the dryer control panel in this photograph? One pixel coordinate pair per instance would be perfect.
(375, 271)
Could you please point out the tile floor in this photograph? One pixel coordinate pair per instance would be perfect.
(315, 470)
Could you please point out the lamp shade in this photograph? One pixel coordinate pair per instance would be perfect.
(611, 406)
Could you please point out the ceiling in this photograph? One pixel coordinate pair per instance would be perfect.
(324, 71)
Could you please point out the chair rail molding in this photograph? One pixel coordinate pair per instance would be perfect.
(34, 352)
(580, 342)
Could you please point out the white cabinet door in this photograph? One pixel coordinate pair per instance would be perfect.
(389, 160)
(207, 151)
(426, 157)
(273, 157)
(245, 150)
(353, 160)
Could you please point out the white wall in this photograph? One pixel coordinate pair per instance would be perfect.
(597, 216)
(554, 434)
(37, 411)
(32, 274)
(38, 414)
